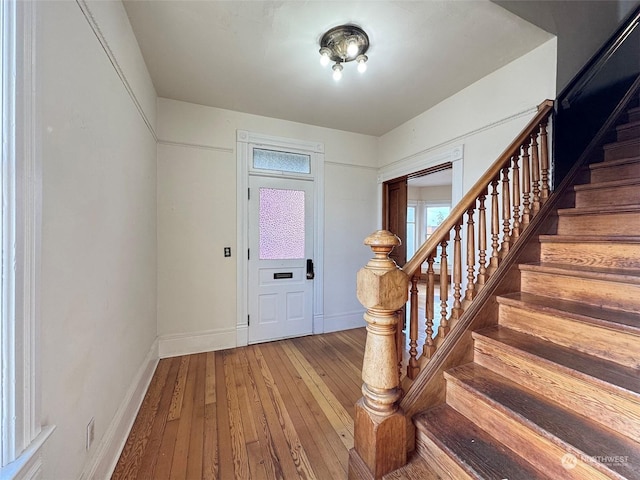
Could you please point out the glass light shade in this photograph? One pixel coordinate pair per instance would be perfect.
(352, 48)
(325, 56)
(337, 72)
(362, 63)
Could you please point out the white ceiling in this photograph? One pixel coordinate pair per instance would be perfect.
(261, 57)
(436, 179)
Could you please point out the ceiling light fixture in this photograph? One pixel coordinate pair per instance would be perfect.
(342, 44)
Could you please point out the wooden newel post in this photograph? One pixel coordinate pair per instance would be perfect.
(380, 428)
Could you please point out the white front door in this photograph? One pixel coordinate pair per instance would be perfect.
(280, 264)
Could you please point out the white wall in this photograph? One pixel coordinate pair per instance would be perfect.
(197, 219)
(581, 26)
(98, 307)
(440, 193)
(484, 117)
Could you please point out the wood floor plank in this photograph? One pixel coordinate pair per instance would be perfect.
(135, 446)
(302, 422)
(181, 448)
(210, 443)
(178, 391)
(238, 444)
(329, 372)
(273, 411)
(280, 446)
(344, 388)
(340, 419)
(150, 457)
(225, 456)
(266, 450)
(296, 450)
(210, 379)
(196, 439)
(329, 445)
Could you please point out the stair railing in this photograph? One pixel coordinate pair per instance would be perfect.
(513, 189)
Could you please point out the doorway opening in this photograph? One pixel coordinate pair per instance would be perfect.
(414, 205)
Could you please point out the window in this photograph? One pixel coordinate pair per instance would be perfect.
(21, 434)
(412, 231)
(281, 161)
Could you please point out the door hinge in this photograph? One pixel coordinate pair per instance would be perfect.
(248, 194)
(248, 320)
(248, 254)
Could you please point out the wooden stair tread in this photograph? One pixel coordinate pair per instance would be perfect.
(625, 126)
(473, 448)
(608, 184)
(631, 208)
(559, 425)
(589, 238)
(622, 143)
(622, 275)
(627, 322)
(624, 381)
(613, 163)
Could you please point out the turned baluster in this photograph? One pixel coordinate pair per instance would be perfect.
(526, 186)
(382, 289)
(429, 347)
(544, 162)
(535, 174)
(495, 228)
(482, 240)
(516, 198)
(412, 366)
(471, 256)
(506, 212)
(456, 311)
(444, 288)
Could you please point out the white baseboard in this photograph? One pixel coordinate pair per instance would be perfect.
(104, 461)
(343, 321)
(196, 342)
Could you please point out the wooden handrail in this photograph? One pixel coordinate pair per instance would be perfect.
(413, 265)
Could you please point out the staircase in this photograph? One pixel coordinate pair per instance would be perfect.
(553, 390)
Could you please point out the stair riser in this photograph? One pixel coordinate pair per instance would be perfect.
(628, 133)
(616, 172)
(614, 295)
(526, 442)
(616, 152)
(615, 255)
(634, 115)
(601, 197)
(625, 223)
(616, 346)
(443, 465)
(576, 393)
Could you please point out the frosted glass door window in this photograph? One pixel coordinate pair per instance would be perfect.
(281, 161)
(281, 224)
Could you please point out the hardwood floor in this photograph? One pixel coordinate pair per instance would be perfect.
(275, 410)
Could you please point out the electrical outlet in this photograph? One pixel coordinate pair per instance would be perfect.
(227, 251)
(90, 433)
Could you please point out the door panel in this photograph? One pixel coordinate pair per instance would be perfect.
(281, 241)
(395, 216)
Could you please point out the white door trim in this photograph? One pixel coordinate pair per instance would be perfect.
(245, 139)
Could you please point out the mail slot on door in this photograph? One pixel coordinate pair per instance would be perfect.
(280, 276)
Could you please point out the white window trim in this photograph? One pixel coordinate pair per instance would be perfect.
(22, 435)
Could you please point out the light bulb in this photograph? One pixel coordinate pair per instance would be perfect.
(362, 63)
(337, 72)
(324, 56)
(352, 48)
